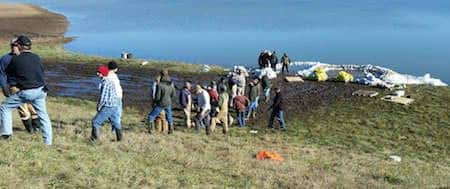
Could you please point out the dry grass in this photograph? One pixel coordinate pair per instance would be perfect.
(190, 160)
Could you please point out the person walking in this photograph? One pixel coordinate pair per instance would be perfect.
(240, 104)
(253, 97)
(222, 116)
(273, 61)
(277, 110)
(163, 101)
(27, 113)
(112, 74)
(286, 61)
(202, 119)
(26, 73)
(186, 102)
(266, 85)
(161, 124)
(107, 106)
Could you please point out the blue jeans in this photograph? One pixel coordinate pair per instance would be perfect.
(203, 120)
(110, 113)
(241, 119)
(253, 106)
(37, 98)
(157, 110)
(119, 111)
(279, 115)
(267, 94)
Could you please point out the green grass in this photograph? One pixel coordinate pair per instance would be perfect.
(343, 145)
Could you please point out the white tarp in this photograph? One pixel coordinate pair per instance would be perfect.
(266, 71)
(366, 74)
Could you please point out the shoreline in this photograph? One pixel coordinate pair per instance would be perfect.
(40, 24)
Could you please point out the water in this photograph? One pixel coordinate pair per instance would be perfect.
(409, 36)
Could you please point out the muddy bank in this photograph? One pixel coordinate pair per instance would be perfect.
(39, 23)
(80, 81)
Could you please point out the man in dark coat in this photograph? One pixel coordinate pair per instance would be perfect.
(273, 60)
(277, 110)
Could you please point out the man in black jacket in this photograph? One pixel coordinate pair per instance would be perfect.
(26, 73)
(277, 110)
(26, 111)
(273, 61)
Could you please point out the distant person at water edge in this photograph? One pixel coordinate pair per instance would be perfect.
(186, 102)
(113, 68)
(286, 61)
(203, 118)
(107, 106)
(260, 60)
(277, 110)
(265, 59)
(240, 104)
(26, 73)
(27, 113)
(165, 91)
(273, 61)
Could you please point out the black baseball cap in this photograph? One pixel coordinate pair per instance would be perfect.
(23, 40)
(112, 65)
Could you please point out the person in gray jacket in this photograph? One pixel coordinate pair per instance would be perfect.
(163, 101)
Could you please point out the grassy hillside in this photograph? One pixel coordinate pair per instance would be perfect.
(343, 144)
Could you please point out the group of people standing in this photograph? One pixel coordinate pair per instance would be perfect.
(211, 104)
(269, 59)
(22, 82)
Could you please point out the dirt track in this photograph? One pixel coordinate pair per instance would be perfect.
(31, 20)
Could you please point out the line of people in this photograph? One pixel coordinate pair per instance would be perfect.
(22, 82)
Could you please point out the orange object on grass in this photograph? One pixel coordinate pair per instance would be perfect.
(262, 155)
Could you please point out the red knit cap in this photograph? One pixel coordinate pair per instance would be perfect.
(103, 70)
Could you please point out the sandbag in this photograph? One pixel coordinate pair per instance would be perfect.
(320, 74)
(344, 76)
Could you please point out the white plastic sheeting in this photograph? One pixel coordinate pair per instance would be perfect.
(366, 74)
(266, 71)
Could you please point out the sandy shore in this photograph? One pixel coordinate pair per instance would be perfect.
(31, 20)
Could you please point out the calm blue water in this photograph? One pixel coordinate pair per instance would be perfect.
(410, 36)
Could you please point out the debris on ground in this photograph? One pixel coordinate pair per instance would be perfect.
(292, 79)
(399, 93)
(144, 63)
(398, 99)
(253, 131)
(365, 74)
(344, 76)
(365, 93)
(395, 158)
(268, 155)
(320, 74)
